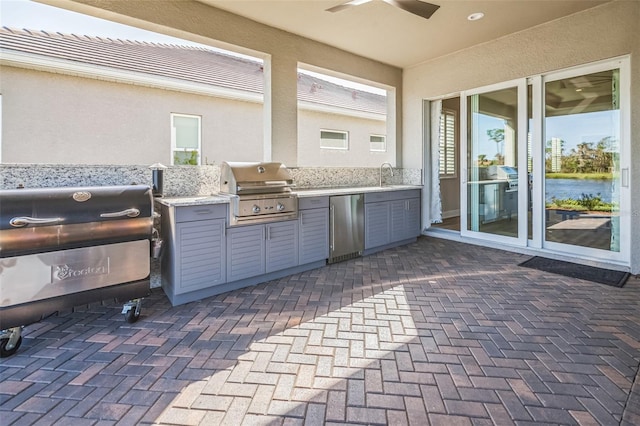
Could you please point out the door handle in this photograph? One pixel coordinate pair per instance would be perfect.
(333, 224)
(624, 177)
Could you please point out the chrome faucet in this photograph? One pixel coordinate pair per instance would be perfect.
(390, 168)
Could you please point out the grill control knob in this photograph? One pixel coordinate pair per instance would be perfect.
(279, 207)
(255, 209)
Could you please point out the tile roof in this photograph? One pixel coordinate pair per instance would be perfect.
(186, 63)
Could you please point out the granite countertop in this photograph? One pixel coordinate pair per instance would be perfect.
(317, 192)
(197, 200)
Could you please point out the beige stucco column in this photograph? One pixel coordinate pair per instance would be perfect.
(281, 110)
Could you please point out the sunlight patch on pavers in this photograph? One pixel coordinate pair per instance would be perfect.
(313, 362)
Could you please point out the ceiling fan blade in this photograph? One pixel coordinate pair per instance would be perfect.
(416, 7)
(347, 5)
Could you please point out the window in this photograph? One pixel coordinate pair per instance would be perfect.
(377, 143)
(185, 139)
(332, 139)
(448, 143)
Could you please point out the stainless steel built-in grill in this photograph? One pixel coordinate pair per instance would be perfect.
(64, 247)
(260, 192)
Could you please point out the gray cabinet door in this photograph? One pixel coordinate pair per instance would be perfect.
(314, 235)
(405, 219)
(413, 217)
(398, 224)
(281, 245)
(376, 224)
(200, 255)
(245, 252)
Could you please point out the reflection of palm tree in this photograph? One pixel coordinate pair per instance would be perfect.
(584, 153)
(497, 135)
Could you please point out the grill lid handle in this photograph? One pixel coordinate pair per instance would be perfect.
(21, 221)
(128, 212)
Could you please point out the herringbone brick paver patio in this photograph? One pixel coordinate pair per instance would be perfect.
(436, 332)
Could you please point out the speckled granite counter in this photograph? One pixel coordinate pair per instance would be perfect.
(319, 192)
(193, 201)
(301, 193)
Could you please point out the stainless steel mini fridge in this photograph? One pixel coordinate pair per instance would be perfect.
(346, 227)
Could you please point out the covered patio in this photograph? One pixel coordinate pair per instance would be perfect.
(437, 332)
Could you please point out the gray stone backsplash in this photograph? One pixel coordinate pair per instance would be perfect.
(188, 180)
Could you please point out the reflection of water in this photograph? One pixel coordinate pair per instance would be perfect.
(574, 188)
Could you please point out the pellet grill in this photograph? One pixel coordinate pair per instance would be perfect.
(65, 247)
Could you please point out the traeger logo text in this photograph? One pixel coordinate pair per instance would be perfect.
(78, 270)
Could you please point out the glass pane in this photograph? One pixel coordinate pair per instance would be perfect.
(187, 131)
(336, 140)
(377, 143)
(447, 143)
(492, 159)
(181, 158)
(582, 125)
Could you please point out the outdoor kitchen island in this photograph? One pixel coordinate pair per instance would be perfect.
(204, 255)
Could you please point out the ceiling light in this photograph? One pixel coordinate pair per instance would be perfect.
(475, 16)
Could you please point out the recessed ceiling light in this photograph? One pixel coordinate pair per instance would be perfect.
(475, 16)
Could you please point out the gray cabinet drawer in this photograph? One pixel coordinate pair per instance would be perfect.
(391, 195)
(404, 194)
(376, 197)
(202, 212)
(313, 203)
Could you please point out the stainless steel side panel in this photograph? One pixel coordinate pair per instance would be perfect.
(346, 225)
(41, 276)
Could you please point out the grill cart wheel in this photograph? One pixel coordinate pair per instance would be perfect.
(131, 316)
(10, 341)
(131, 310)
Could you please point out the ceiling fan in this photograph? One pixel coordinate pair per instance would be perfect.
(416, 7)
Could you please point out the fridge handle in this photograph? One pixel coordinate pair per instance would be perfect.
(332, 220)
(624, 178)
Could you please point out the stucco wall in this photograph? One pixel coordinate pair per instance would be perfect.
(55, 118)
(282, 52)
(358, 155)
(607, 31)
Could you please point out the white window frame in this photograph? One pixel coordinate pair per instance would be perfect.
(384, 142)
(346, 139)
(175, 149)
(448, 147)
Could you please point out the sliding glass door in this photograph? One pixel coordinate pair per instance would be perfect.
(545, 162)
(585, 178)
(493, 202)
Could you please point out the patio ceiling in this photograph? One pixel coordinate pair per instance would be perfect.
(378, 31)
